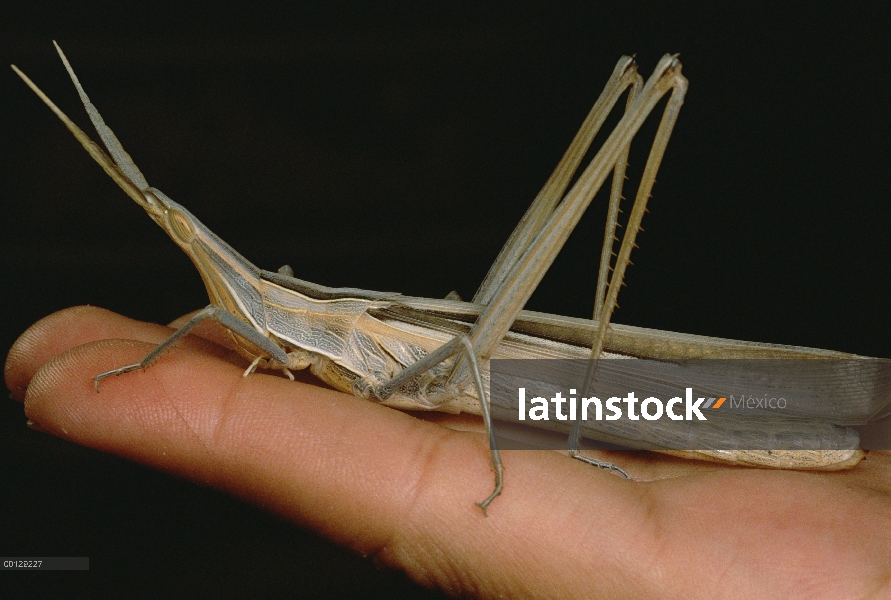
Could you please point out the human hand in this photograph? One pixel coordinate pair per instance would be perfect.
(401, 488)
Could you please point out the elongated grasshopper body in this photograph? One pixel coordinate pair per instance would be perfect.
(418, 353)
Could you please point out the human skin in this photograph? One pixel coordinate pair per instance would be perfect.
(401, 488)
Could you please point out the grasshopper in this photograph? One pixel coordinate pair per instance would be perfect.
(433, 354)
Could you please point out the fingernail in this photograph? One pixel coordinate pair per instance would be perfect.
(36, 426)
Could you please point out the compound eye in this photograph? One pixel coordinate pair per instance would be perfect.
(180, 226)
(151, 200)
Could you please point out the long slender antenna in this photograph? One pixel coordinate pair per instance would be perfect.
(120, 156)
(107, 164)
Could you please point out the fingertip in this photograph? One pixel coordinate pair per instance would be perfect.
(45, 339)
(60, 396)
(61, 331)
(163, 416)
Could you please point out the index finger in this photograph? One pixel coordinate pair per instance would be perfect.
(376, 480)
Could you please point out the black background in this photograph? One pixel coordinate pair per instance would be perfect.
(394, 148)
